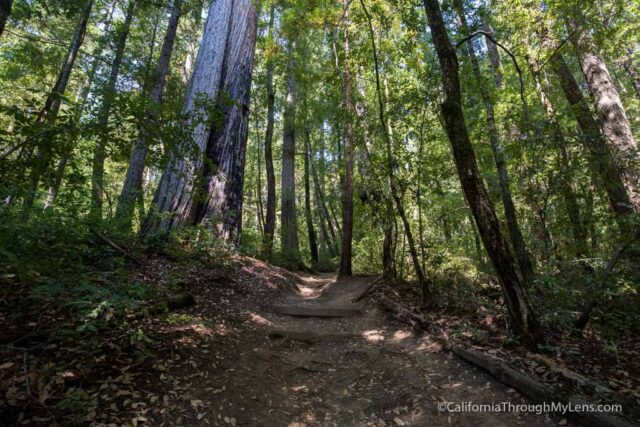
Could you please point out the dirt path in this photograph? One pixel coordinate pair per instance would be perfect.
(357, 370)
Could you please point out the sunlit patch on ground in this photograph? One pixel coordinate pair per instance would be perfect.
(256, 318)
(401, 335)
(427, 345)
(374, 336)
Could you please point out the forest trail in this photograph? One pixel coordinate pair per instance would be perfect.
(357, 369)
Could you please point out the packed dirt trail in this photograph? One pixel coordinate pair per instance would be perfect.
(316, 357)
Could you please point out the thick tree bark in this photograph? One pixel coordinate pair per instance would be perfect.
(523, 320)
(132, 187)
(224, 169)
(270, 222)
(109, 92)
(5, 11)
(50, 111)
(600, 158)
(313, 241)
(174, 200)
(422, 280)
(347, 201)
(288, 213)
(613, 119)
(515, 233)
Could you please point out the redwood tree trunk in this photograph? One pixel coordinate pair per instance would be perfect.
(515, 233)
(270, 221)
(347, 203)
(613, 119)
(288, 212)
(174, 200)
(600, 158)
(99, 153)
(524, 322)
(224, 169)
(132, 187)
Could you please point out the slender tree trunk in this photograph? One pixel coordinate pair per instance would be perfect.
(600, 157)
(633, 74)
(347, 204)
(259, 204)
(99, 153)
(175, 198)
(492, 50)
(568, 193)
(524, 322)
(83, 95)
(270, 223)
(515, 233)
(313, 241)
(388, 271)
(328, 230)
(422, 281)
(5, 11)
(132, 187)
(50, 111)
(288, 213)
(613, 119)
(224, 169)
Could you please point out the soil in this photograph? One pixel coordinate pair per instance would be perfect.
(271, 369)
(236, 359)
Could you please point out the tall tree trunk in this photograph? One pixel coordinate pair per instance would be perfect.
(83, 95)
(600, 158)
(99, 153)
(288, 213)
(613, 119)
(633, 73)
(5, 11)
(50, 111)
(270, 222)
(517, 240)
(422, 281)
(347, 203)
(259, 203)
(224, 169)
(568, 193)
(132, 187)
(523, 320)
(175, 198)
(328, 230)
(313, 241)
(492, 50)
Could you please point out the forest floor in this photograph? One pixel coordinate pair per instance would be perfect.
(236, 358)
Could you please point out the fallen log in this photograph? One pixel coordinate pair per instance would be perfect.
(402, 314)
(588, 384)
(115, 246)
(537, 391)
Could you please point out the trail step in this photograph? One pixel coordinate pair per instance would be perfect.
(309, 337)
(311, 311)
